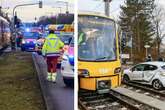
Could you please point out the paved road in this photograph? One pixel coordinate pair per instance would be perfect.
(57, 96)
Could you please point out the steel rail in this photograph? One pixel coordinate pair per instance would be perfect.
(146, 89)
(121, 98)
(112, 97)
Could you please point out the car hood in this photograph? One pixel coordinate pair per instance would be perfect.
(126, 71)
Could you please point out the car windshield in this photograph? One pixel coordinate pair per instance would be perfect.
(163, 67)
(31, 35)
(66, 39)
(97, 38)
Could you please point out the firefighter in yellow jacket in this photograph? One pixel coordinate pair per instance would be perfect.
(51, 51)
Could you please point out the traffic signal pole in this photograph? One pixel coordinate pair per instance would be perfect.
(13, 24)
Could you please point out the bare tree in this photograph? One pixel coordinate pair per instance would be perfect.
(159, 23)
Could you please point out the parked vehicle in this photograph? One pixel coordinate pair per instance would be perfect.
(29, 41)
(40, 42)
(67, 65)
(151, 73)
(66, 38)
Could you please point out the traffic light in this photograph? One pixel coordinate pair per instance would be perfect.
(18, 24)
(15, 19)
(123, 43)
(40, 4)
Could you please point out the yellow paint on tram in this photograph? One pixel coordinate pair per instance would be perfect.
(99, 66)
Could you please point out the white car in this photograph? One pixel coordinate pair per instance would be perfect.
(152, 73)
(67, 66)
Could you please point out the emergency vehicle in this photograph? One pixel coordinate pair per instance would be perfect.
(67, 65)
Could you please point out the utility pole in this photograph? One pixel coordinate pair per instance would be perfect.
(131, 47)
(107, 9)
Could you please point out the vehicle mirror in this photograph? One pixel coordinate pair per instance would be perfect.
(131, 69)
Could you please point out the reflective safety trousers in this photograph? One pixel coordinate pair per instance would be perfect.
(52, 45)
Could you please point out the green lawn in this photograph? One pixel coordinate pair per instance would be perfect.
(19, 87)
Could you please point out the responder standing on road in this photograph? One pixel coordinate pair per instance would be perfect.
(51, 51)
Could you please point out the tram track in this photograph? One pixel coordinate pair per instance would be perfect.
(146, 90)
(110, 101)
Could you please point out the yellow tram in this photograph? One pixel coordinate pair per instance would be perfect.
(99, 66)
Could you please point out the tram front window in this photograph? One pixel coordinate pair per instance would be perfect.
(96, 39)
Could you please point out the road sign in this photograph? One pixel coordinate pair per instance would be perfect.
(126, 56)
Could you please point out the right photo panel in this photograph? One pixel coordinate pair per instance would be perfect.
(121, 55)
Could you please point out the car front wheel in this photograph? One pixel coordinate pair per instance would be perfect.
(126, 79)
(156, 84)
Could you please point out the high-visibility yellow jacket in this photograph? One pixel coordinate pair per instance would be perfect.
(52, 45)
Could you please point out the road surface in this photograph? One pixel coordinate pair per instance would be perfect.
(56, 95)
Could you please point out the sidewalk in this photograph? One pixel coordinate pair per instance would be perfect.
(57, 96)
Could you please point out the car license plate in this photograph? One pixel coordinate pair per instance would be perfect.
(31, 48)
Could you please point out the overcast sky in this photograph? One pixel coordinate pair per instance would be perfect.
(28, 13)
(98, 6)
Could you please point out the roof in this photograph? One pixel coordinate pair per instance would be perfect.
(158, 63)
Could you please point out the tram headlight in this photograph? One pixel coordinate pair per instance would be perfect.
(117, 70)
(83, 72)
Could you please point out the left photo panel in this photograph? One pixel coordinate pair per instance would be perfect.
(37, 54)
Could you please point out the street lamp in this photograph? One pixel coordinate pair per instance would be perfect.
(40, 4)
(107, 10)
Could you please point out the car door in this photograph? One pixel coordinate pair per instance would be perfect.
(149, 72)
(137, 72)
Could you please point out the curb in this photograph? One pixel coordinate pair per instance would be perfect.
(40, 82)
